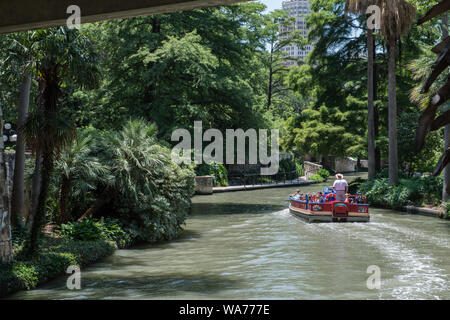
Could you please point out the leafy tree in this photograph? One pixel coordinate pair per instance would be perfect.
(64, 55)
(278, 34)
(19, 62)
(173, 69)
(361, 6)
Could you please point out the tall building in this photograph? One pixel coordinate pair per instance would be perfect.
(298, 9)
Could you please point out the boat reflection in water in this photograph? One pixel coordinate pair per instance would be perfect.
(324, 207)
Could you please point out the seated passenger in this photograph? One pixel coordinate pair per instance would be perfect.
(296, 195)
(320, 197)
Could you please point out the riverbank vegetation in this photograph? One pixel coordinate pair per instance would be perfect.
(420, 192)
(55, 255)
(96, 109)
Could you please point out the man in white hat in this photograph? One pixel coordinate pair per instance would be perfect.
(341, 187)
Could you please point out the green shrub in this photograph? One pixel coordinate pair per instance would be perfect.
(151, 195)
(384, 173)
(447, 210)
(216, 170)
(316, 178)
(86, 229)
(300, 170)
(54, 257)
(287, 165)
(324, 174)
(416, 191)
(89, 229)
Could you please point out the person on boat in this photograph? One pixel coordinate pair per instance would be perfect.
(296, 195)
(330, 197)
(341, 187)
(320, 196)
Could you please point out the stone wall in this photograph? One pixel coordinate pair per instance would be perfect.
(311, 168)
(364, 163)
(345, 164)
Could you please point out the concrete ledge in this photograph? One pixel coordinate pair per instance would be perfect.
(423, 211)
(261, 186)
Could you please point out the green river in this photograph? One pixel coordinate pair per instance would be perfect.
(246, 245)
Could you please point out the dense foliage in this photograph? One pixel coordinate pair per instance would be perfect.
(324, 173)
(216, 170)
(316, 178)
(53, 259)
(143, 188)
(414, 191)
(333, 84)
(89, 229)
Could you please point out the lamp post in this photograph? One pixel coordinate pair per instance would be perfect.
(9, 135)
(5, 218)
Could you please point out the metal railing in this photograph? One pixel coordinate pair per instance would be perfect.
(252, 179)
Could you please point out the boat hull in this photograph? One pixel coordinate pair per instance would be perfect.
(328, 212)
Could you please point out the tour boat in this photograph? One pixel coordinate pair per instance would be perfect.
(327, 209)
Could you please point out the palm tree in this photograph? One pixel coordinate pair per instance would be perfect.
(427, 121)
(135, 161)
(446, 185)
(21, 53)
(79, 170)
(64, 55)
(360, 6)
(397, 17)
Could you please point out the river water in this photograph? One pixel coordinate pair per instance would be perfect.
(246, 245)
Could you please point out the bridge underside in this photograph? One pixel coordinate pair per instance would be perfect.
(21, 15)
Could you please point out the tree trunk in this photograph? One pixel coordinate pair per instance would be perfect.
(445, 195)
(392, 115)
(269, 92)
(370, 114)
(376, 115)
(35, 187)
(63, 197)
(5, 219)
(104, 198)
(18, 193)
(38, 219)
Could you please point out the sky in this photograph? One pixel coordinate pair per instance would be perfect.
(272, 4)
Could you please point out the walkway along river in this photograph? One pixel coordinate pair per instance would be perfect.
(246, 245)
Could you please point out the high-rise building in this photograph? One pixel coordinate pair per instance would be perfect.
(298, 9)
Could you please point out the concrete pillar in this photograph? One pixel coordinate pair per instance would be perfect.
(204, 185)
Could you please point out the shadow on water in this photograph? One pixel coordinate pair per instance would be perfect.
(185, 235)
(233, 208)
(133, 285)
(153, 286)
